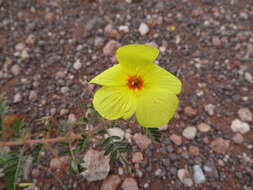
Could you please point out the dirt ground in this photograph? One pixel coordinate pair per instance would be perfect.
(49, 49)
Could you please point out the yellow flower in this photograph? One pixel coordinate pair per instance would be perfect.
(136, 85)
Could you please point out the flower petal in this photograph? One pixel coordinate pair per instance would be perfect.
(114, 76)
(136, 56)
(157, 77)
(114, 102)
(155, 107)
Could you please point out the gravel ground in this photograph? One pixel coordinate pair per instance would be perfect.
(49, 49)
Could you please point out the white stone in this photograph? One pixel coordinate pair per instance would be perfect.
(115, 131)
(190, 132)
(210, 108)
(17, 98)
(96, 164)
(77, 65)
(143, 29)
(15, 70)
(198, 175)
(248, 77)
(64, 90)
(71, 118)
(184, 177)
(239, 126)
(32, 95)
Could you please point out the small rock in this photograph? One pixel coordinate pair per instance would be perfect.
(20, 47)
(129, 184)
(239, 126)
(64, 90)
(77, 65)
(248, 77)
(220, 145)
(137, 157)
(194, 150)
(64, 112)
(198, 175)
(59, 162)
(216, 41)
(204, 128)
(111, 32)
(142, 141)
(72, 118)
(53, 111)
(115, 131)
(35, 172)
(197, 12)
(143, 29)
(210, 108)
(96, 164)
(94, 24)
(30, 39)
(190, 133)
(110, 47)
(245, 114)
(98, 41)
(190, 112)
(124, 28)
(60, 74)
(111, 183)
(32, 95)
(164, 128)
(15, 70)
(17, 98)
(159, 172)
(176, 139)
(184, 177)
(238, 138)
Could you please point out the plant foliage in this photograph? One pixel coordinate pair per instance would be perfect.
(153, 133)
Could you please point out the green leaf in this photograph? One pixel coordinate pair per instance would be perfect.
(153, 133)
(36, 153)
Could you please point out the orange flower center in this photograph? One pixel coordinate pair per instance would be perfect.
(135, 82)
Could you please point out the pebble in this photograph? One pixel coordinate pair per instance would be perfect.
(137, 157)
(220, 145)
(77, 65)
(193, 150)
(129, 184)
(198, 175)
(190, 112)
(184, 177)
(33, 95)
(143, 29)
(124, 28)
(210, 108)
(216, 41)
(111, 183)
(98, 41)
(239, 126)
(20, 47)
(94, 24)
(110, 47)
(248, 77)
(142, 141)
(64, 90)
(35, 172)
(238, 138)
(64, 112)
(15, 70)
(203, 127)
(115, 131)
(245, 114)
(190, 133)
(96, 164)
(159, 172)
(59, 162)
(176, 139)
(17, 98)
(60, 74)
(111, 32)
(71, 118)
(30, 40)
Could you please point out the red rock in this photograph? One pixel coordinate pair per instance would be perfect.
(110, 47)
(142, 141)
(111, 182)
(220, 145)
(190, 112)
(129, 184)
(111, 32)
(137, 157)
(176, 139)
